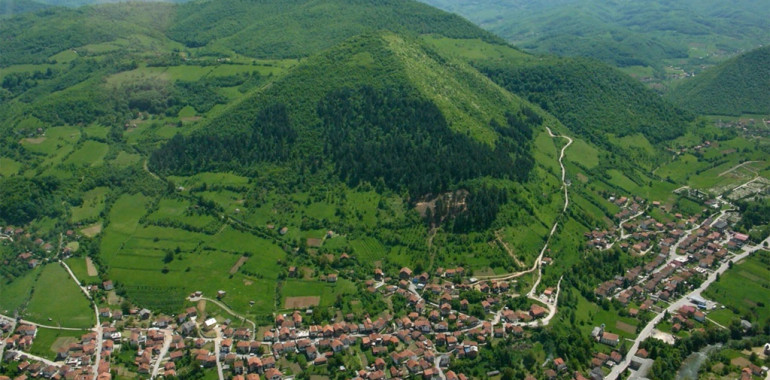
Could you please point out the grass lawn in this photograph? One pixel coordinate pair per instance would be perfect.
(13, 295)
(48, 341)
(57, 297)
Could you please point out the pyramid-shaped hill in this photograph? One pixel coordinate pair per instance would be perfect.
(380, 106)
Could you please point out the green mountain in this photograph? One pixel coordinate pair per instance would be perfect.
(178, 140)
(738, 86)
(296, 28)
(651, 33)
(15, 7)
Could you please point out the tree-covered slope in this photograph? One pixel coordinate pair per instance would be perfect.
(357, 109)
(591, 98)
(738, 86)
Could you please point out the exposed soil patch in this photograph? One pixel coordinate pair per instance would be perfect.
(91, 268)
(34, 140)
(622, 326)
(740, 362)
(238, 264)
(301, 302)
(92, 230)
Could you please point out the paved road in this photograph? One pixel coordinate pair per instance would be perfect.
(2, 345)
(619, 369)
(217, 347)
(166, 345)
(98, 327)
(37, 358)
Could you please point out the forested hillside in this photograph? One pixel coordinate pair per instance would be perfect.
(365, 118)
(738, 86)
(592, 98)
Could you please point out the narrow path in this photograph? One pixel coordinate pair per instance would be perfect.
(536, 265)
(231, 312)
(37, 358)
(508, 249)
(736, 167)
(147, 169)
(217, 348)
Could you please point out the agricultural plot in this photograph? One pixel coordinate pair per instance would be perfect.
(179, 211)
(53, 137)
(126, 159)
(48, 342)
(583, 154)
(79, 267)
(91, 153)
(744, 290)
(56, 300)
(299, 292)
(92, 206)
(139, 259)
(368, 249)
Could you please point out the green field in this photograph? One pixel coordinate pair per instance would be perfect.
(48, 341)
(78, 267)
(15, 294)
(92, 206)
(9, 167)
(56, 300)
(327, 291)
(744, 290)
(90, 153)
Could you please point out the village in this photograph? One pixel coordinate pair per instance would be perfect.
(437, 325)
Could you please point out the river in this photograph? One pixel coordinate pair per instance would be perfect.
(691, 365)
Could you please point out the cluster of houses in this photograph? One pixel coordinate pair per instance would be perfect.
(21, 339)
(72, 362)
(35, 250)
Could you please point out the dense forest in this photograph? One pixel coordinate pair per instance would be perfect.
(369, 135)
(738, 86)
(386, 134)
(591, 98)
(269, 139)
(25, 199)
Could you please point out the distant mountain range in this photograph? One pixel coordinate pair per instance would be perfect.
(650, 33)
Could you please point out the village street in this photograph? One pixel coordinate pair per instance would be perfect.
(684, 300)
